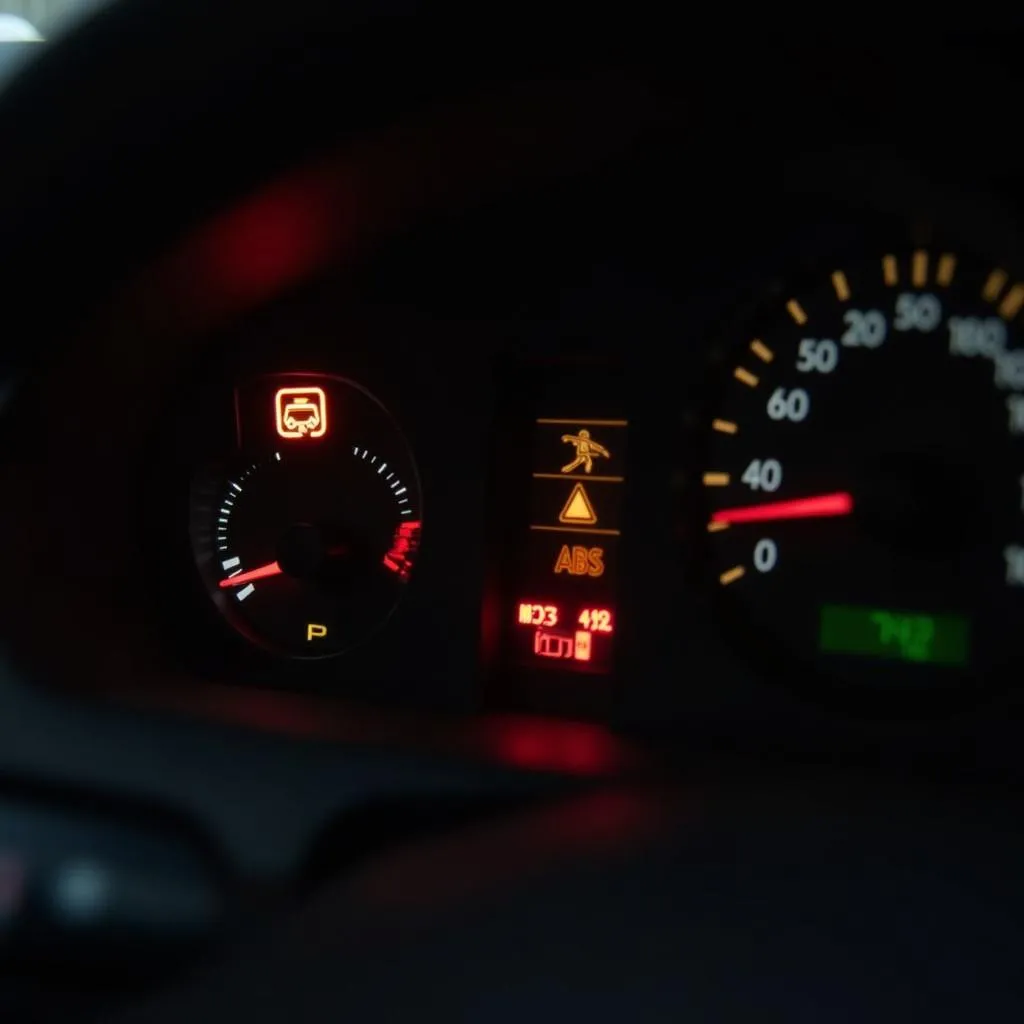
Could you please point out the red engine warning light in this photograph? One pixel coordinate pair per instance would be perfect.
(300, 412)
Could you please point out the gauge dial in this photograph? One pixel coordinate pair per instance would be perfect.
(307, 535)
(865, 475)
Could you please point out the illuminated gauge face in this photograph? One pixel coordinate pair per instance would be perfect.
(865, 482)
(307, 535)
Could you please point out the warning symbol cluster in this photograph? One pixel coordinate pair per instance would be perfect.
(578, 469)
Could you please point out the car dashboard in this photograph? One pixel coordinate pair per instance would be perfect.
(606, 417)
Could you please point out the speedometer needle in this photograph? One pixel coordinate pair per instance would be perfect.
(838, 504)
(270, 569)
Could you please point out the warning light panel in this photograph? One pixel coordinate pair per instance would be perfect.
(560, 481)
(570, 549)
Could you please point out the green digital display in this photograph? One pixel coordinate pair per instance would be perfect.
(903, 636)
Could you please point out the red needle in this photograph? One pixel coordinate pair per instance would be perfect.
(838, 504)
(271, 569)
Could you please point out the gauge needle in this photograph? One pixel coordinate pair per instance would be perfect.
(270, 569)
(838, 504)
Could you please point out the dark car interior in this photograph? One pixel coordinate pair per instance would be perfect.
(510, 514)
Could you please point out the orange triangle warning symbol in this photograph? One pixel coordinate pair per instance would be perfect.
(578, 510)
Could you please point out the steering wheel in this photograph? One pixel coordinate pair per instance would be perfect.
(737, 897)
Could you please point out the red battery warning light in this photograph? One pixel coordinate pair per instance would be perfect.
(576, 646)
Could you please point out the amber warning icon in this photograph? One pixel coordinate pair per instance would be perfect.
(578, 510)
(587, 449)
(301, 412)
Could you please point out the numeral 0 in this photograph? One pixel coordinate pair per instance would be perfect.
(766, 555)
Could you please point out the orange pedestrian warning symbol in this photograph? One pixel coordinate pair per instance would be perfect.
(577, 510)
(587, 449)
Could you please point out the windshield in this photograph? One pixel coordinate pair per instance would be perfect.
(33, 20)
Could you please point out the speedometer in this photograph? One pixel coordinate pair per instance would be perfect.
(865, 479)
